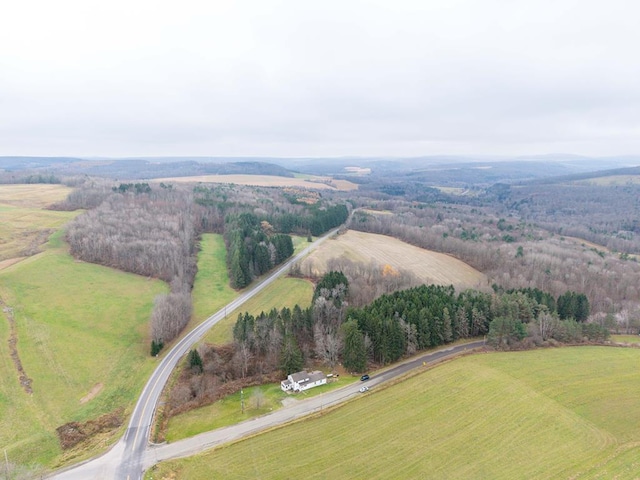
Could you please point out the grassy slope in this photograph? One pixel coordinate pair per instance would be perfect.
(538, 414)
(22, 216)
(211, 290)
(78, 325)
(284, 292)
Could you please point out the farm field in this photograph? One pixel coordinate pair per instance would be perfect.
(284, 292)
(308, 181)
(429, 266)
(24, 225)
(82, 338)
(553, 413)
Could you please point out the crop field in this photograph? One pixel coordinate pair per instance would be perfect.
(542, 414)
(308, 181)
(82, 339)
(24, 225)
(430, 267)
(284, 292)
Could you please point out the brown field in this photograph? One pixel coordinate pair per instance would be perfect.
(33, 195)
(428, 266)
(322, 183)
(24, 224)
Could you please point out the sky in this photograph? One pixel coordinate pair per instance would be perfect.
(325, 78)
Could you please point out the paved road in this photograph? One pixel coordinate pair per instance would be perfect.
(124, 460)
(204, 441)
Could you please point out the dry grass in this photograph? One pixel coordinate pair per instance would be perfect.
(24, 225)
(323, 183)
(429, 266)
(32, 195)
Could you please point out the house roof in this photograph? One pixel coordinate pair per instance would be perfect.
(304, 376)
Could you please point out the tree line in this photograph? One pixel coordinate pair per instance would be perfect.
(394, 325)
(512, 253)
(252, 248)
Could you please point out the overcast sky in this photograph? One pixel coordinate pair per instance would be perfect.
(322, 78)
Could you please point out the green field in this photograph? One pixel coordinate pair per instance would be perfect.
(83, 340)
(553, 413)
(625, 338)
(228, 411)
(284, 292)
(211, 290)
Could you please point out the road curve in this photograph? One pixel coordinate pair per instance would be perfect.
(124, 460)
(207, 440)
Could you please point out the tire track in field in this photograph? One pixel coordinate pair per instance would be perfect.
(25, 381)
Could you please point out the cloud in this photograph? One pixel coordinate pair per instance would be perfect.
(328, 78)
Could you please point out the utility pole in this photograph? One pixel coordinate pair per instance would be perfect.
(242, 400)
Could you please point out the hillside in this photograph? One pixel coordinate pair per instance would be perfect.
(426, 265)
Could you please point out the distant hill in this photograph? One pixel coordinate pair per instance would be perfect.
(614, 172)
(22, 163)
(141, 168)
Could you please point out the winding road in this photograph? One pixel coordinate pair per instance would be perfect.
(128, 458)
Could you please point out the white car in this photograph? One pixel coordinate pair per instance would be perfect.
(363, 389)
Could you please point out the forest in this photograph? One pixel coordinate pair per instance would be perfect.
(153, 230)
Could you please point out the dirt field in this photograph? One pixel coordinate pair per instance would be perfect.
(320, 183)
(431, 267)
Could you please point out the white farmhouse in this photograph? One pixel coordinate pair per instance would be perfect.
(303, 381)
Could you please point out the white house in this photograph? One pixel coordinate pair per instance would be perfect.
(303, 381)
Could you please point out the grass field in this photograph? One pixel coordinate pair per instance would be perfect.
(308, 181)
(625, 338)
(82, 339)
(211, 290)
(430, 267)
(554, 413)
(24, 225)
(227, 411)
(284, 292)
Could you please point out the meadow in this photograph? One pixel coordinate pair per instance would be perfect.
(24, 224)
(284, 292)
(81, 331)
(211, 290)
(553, 413)
(428, 266)
(82, 339)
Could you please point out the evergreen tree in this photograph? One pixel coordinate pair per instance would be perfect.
(447, 334)
(195, 361)
(354, 353)
(291, 360)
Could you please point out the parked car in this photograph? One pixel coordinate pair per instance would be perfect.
(364, 377)
(363, 389)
